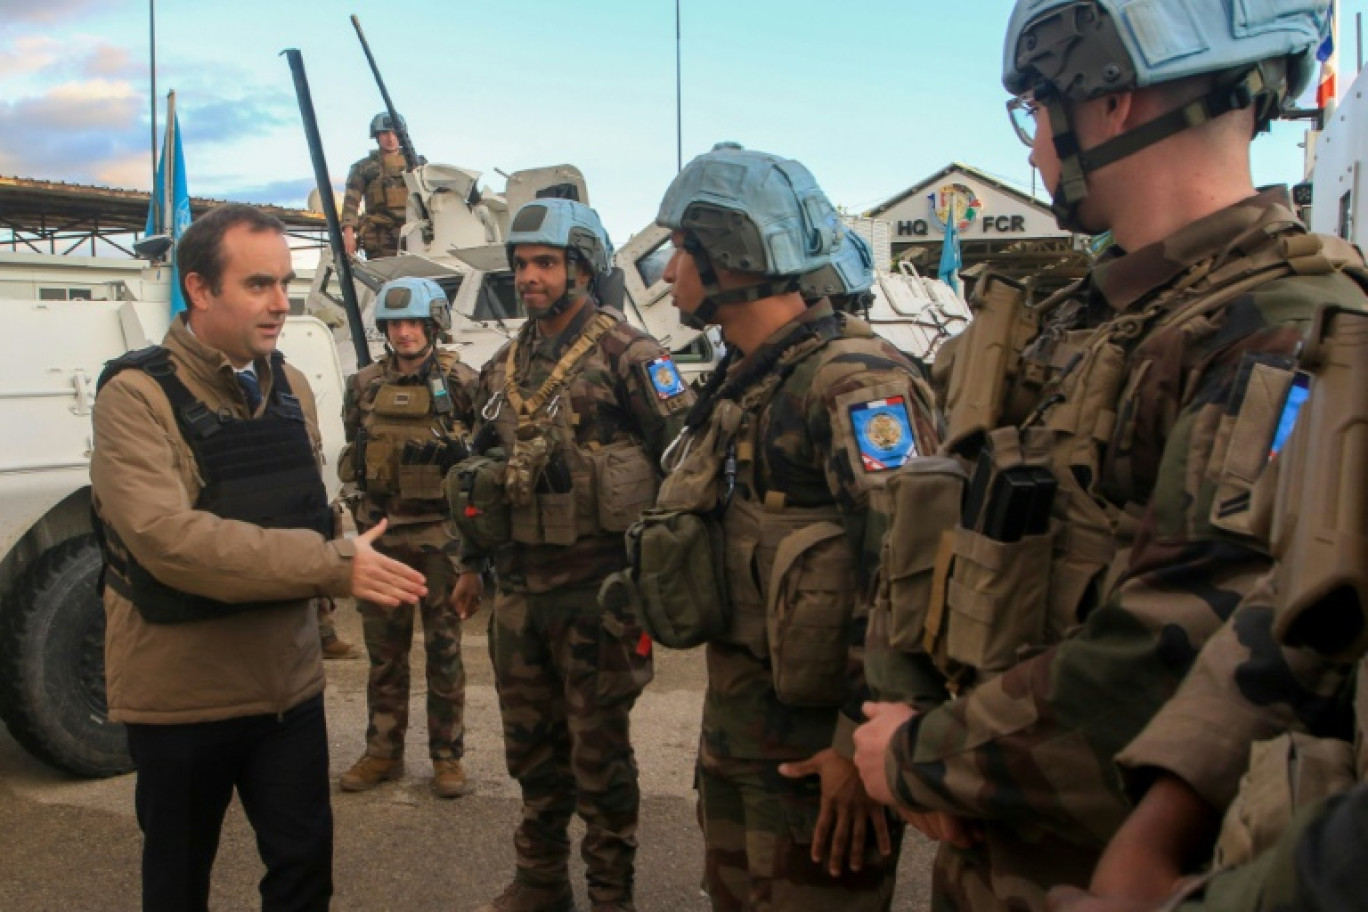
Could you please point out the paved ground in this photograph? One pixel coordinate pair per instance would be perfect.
(73, 845)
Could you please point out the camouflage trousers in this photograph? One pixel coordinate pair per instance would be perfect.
(757, 831)
(378, 239)
(389, 636)
(567, 674)
(1007, 871)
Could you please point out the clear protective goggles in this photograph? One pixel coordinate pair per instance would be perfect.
(1021, 110)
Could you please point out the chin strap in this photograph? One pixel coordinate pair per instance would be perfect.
(714, 296)
(1251, 90)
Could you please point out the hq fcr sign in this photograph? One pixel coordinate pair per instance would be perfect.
(959, 202)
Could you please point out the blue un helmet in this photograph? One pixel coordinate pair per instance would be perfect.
(414, 299)
(848, 278)
(750, 212)
(1260, 55)
(570, 225)
(382, 123)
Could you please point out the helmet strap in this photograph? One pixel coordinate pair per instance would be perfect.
(715, 297)
(1250, 90)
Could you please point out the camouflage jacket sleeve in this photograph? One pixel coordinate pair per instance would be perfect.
(1036, 745)
(659, 419)
(463, 384)
(1316, 866)
(1244, 687)
(355, 192)
(863, 373)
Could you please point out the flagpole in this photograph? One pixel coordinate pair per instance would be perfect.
(152, 45)
(168, 215)
(679, 97)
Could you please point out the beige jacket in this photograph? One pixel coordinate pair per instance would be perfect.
(145, 483)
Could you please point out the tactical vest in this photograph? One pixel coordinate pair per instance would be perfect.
(386, 193)
(788, 571)
(399, 420)
(559, 490)
(988, 599)
(260, 470)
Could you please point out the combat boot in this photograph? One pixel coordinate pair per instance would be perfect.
(521, 897)
(448, 779)
(368, 772)
(334, 648)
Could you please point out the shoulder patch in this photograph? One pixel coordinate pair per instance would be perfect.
(665, 378)
(883, 431)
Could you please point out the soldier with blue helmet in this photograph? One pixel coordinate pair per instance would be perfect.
(783, 465)
(377, 181)
(573, 415)
(406, 417)
(848, 280)
(1114, 431)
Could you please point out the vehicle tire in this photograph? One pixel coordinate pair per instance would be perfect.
(52, 684)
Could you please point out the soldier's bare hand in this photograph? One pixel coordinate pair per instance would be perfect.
(380, 579)
(847, 813)
(871, 744)
(466, 595)
(349, 240)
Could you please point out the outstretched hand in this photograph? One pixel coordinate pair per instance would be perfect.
(466, 594)
(380, 579)
(846, 815)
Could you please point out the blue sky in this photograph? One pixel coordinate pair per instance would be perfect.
(872, 95)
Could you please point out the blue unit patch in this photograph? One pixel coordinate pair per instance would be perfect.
(665, 377)
(884, 433)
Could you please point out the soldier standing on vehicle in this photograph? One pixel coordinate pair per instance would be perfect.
(785, 455)
(217, 536)
(378, 181)
(406, 417)
(573, 415)
(1113, 432)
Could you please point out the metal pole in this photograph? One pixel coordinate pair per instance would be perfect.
(152, 44)
(1358, 31)
(679, 97)
(325, 192)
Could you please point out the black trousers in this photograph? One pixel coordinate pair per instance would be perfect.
(186, 777)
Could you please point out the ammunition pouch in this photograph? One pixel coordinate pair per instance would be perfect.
(676, 577)
(926, 496)
(810, 607)
(625, 484)
(531, 449)
(1286, 775)
(995, 601)
(478, 500)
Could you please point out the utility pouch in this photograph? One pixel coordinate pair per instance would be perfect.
(1320, 527)
(926, 496)
(1244, 440)
(476, 493)
(1286, 774)
(381, 466)
(988, 358)
(996, 599)
(997, 594)
(808, 614)
(555, 517)
(625, 481)
(420, 482)
(677, 573)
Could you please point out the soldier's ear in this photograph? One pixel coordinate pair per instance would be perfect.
(198, 291)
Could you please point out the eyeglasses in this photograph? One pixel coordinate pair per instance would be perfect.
(1021, 110)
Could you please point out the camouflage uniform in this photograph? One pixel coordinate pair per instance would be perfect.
(568, 674)
(418, 536)
(1029, 754)
(1245, 688)
(378, 179)
(806, 458)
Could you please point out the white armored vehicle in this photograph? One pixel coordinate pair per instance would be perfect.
(52, 691)
(460, 245)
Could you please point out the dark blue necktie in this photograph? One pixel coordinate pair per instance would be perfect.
(251, 390)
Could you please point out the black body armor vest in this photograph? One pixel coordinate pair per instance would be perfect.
(259, 470)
